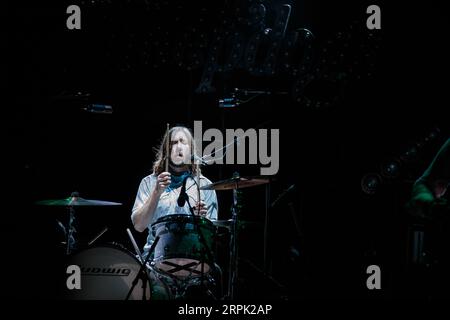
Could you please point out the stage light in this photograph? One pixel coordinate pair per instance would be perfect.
(434, 133)
(390, 169)
(421, 143)
(409, 154)
(370, 183)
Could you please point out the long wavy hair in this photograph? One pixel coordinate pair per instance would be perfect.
(159, 164)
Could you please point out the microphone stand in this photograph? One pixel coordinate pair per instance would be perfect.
(201, 236)
(202, 270)
(142, 273)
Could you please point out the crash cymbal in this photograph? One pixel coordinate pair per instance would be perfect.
(236, 183)
(76, 202)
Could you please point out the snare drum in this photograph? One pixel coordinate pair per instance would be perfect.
(107, 273)
(179, 251)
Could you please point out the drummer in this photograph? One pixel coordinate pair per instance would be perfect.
(159, 192)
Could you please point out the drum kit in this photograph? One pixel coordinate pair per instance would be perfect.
(181, 259)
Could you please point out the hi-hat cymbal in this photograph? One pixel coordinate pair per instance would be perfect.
(76, 202)
(236, 183)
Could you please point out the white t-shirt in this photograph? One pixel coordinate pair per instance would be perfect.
(168, 201)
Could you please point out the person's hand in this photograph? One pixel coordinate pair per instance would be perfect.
(163, 181)
(201, 208)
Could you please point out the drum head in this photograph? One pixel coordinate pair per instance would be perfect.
(108, 272)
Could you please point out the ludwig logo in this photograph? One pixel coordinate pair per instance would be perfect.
(105, 271)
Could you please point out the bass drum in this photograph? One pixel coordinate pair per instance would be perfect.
(108, 272)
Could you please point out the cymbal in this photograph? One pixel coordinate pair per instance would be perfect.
(236, 183)
(76, 202)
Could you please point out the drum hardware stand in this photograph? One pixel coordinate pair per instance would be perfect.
(142, 271)
(219, 269)
(202, 267)
(70, 231)
(135, 246)
(233, 242)
(266, 230)
(70, 225)
(98, 236)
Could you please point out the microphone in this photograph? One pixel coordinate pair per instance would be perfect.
(246, 92)
(228, 102)
(99, 108)
(183, 195)
(236, 98)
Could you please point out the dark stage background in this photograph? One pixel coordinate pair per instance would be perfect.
(370, 99)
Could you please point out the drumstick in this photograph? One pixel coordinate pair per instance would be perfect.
(167, 148)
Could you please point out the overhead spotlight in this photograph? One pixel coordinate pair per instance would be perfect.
(370, 183)
(421, 143)
(434, 133)
(390, 169)
(409, 154)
